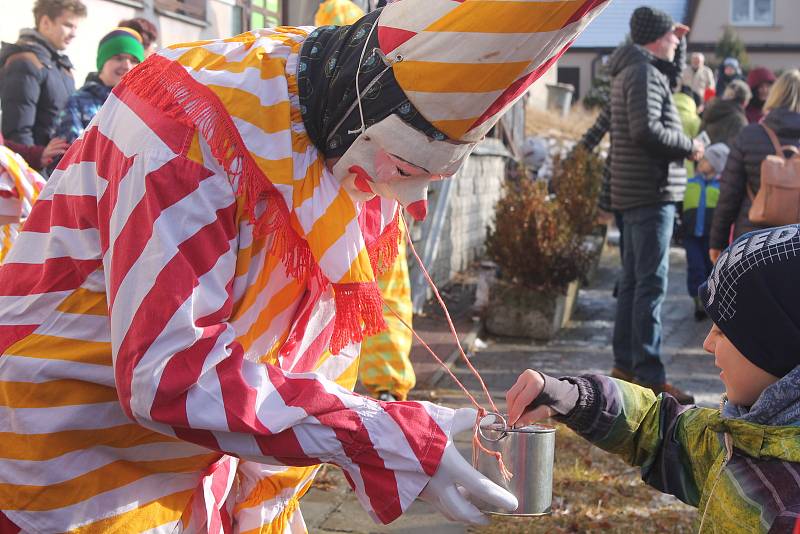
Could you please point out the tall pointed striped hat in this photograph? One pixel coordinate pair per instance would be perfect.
(462, 63)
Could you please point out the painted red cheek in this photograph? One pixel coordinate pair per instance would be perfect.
(418, 209)
(363, 179)
(360, 172)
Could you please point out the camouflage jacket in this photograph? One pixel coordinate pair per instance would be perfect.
(742, 477)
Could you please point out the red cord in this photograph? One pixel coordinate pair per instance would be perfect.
(449, 320)
(481, 411)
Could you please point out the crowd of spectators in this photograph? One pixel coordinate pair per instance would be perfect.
(673, 124)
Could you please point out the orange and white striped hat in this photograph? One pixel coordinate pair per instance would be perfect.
(462, 63)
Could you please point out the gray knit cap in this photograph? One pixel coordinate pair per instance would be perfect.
(649, 24)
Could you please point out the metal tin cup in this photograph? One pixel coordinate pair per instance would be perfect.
(528, 452)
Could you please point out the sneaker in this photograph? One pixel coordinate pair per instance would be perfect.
(699, 310)
(616, 372)
(385, 396)
(680, 396)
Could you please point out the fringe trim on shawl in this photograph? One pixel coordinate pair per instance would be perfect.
(359, 306)
(383, 253)
(166, 85)
(363, 316)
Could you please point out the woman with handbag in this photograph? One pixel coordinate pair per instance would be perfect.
(762, 151)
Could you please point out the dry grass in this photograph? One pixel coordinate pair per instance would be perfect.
(550, 124)
(594, 491)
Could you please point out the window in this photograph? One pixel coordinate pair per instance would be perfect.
(265, 14)
(237, 20)
(195, 9)
(753, 12)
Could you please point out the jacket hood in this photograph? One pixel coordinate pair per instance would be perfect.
(9, 49)
(759, 75)
(627, 55)
(32, 41)
(720, 108)
(785, 123)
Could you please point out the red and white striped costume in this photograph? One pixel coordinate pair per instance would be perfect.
(159, 370)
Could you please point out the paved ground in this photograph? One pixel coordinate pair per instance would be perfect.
(584, 346)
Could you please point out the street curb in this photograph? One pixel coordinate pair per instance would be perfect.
(468, 342)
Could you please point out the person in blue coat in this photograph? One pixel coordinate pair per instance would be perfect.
(699, 201)
(117, 53)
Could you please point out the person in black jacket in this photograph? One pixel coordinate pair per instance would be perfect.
(36, 77)
(648, 147)
(742, 175)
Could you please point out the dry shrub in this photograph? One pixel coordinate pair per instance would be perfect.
(576, 183)
(538, 238)
(532, 242)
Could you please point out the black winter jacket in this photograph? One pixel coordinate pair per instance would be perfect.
(648, 145)
(743, 169)
(35, 84)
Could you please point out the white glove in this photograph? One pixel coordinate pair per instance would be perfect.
(455, 481)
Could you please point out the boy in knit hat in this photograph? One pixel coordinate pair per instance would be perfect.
(738, 464)
(699, 201)
(117, 53)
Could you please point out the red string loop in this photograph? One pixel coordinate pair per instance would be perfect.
(477, 445)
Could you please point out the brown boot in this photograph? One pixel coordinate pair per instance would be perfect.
(680, 396)
(616, 372)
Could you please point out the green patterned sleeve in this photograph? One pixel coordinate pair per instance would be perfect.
(671, 443)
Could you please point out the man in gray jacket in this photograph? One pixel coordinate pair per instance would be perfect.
(648, 147)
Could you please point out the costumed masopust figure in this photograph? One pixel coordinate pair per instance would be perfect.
(182, 312)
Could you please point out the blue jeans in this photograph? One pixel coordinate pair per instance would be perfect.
(642, 288)
(698, 262)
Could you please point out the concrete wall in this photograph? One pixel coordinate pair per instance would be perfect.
(475, 191)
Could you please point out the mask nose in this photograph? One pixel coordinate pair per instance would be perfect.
(413, 195)
(418, 210)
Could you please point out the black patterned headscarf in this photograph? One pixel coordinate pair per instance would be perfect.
(327, 77)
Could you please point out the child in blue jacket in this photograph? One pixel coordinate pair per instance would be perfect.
(702, 193)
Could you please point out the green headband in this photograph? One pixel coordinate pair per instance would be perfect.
(119, 41)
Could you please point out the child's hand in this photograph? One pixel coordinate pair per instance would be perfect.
(528, 387)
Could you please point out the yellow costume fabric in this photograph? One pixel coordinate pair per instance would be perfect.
(385, 365)
(19, 187)
(337, 13)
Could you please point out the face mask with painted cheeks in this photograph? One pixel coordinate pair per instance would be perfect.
(392, 160)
